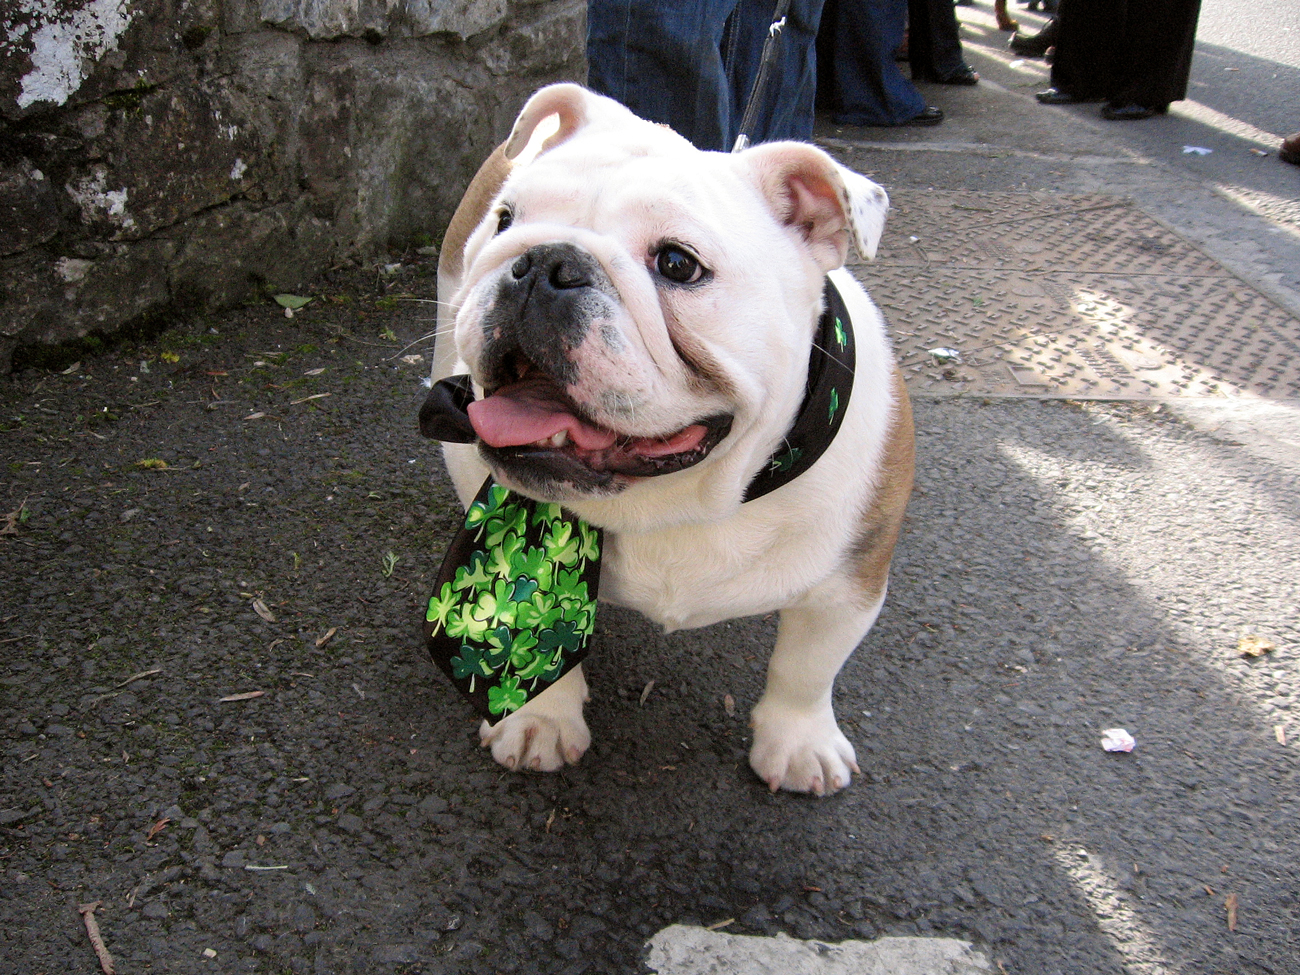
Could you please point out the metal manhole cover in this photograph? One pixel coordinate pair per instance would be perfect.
(1074, 297)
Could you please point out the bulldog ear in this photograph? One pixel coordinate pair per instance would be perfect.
(570, 107)
(824, 202)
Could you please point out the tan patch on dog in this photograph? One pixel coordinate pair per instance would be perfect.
(873, 546)
(483, 189)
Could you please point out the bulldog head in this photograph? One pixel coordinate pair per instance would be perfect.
(637, 314)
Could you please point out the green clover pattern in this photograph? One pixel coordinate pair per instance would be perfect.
(521, 603)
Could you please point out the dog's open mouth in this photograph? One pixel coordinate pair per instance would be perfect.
(532, 424)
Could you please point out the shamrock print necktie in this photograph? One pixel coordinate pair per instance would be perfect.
(515, 601)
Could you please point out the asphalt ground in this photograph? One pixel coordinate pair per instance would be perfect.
(1067, 567)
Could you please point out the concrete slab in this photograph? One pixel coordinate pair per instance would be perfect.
(685, 950)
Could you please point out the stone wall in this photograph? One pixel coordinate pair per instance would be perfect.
(165, 156)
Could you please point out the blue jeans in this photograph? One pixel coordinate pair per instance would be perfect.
(861, 82)
(690, 64)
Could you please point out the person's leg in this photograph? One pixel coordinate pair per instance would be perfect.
(1156, 58)
(939, 56)
(786, 111)
(662, 60)
(1086, 47)
(866, 86)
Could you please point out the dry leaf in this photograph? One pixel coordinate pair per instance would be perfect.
(314, 372)
(646, 693)
(254, 416)
(729, 704)
(412, 360)
(260, 609)
(156, 828)
(1279, 732)
(1255, 646)
(1230, 902)
(325, 637)
(246, 696)
(306, 398)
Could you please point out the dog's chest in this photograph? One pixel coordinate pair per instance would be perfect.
(698, 575)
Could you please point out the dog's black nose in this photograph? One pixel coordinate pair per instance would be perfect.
(542, 310)
(562, 266)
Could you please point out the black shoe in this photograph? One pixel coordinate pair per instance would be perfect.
(1037, 45)
(965, 75)
(1126, 113)
(929, 116)
(1054, 96)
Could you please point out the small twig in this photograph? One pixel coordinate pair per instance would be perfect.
(246, 696)
(96, 942)
(139, 676)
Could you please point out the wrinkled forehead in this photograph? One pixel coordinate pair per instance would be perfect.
(592, 182)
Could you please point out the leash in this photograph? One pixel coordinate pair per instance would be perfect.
(759, 89)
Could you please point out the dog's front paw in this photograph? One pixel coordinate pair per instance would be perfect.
(800, 751)
(545, 733)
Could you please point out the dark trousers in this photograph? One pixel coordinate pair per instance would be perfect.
(1128, 52)
(858, 79)
(934, 42)
(690, 64)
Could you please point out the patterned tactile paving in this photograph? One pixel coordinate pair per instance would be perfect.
(1074, 297)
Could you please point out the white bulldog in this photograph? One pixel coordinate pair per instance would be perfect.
(638, 317)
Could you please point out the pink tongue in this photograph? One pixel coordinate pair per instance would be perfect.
(515, 419)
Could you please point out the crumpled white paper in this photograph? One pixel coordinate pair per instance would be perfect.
(1196, 150)
(1117, 740)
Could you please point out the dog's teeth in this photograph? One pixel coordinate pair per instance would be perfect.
(559, 439)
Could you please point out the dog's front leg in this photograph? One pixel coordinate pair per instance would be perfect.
(546, 732)
(797, 744)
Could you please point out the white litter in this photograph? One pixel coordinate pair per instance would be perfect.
(1117, 740)
(1196, 151)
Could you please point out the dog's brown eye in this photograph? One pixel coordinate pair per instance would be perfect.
(504, 221)
(677, 264)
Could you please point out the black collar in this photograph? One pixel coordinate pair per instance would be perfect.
(825, 401)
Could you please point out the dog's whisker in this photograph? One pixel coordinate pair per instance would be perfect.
(427, 336)
(826, 352)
